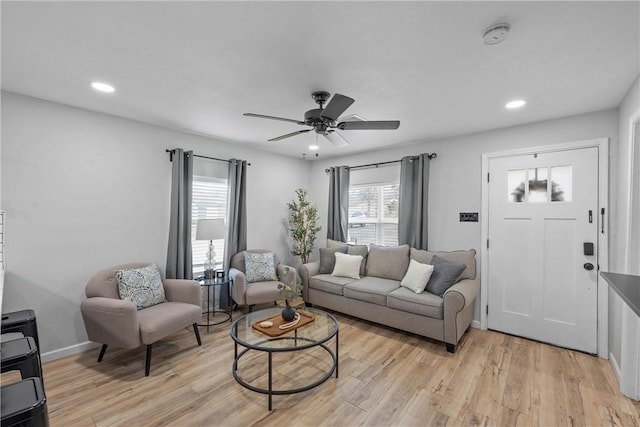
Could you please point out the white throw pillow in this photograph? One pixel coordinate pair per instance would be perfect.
(417, 276)
(347, 265)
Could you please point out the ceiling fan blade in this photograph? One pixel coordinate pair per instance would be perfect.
(262, 116)
(336, 139)
(278, 138)
(370, 125)
(337, 106)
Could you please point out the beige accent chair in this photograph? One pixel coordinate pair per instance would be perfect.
(112, 321)
(250, 294)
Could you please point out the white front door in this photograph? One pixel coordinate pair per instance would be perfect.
(543, 222)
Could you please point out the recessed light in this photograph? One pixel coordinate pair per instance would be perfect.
(103, 87)
(515, 104)
(313, 147)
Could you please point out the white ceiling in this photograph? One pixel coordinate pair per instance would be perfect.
(197, 66)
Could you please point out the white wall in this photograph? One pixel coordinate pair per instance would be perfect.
(85, 191)
(621, 175)
(455, 181)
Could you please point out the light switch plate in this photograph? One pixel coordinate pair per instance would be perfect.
(468, 216)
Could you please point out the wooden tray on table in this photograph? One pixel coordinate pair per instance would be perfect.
(277, 320)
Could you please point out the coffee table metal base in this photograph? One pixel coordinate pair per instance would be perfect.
(270, 391)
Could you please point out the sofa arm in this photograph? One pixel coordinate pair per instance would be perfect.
(180, 290)
(111, 321)
(239, 287)
(286, 274)
(458, 309)
(307, 271)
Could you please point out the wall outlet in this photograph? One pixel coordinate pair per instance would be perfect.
(468, 216)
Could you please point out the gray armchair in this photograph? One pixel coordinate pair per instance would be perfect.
(112, 321)
(249, 294)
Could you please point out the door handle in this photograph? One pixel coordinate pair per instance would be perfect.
(588, 266)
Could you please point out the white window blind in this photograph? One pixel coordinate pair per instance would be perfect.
(373, 214)
(209, 200)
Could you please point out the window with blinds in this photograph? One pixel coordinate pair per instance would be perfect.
(209, 200)
(373, 214)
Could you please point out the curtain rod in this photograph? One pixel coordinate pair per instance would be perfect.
(197, 155)
(375, 165)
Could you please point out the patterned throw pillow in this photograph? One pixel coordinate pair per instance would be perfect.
(141, 286)
(259, 267)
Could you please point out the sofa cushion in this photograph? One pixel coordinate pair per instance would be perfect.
(388, 262)
(259, 292)
(347, 265)
(371, 289)
(328, 258)
(335, 243)
(160, 320)
(417, 276)
(445, 274)
(458, 257)
(425, 304)
(329, 283)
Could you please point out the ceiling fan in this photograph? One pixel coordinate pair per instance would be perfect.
(324, 120)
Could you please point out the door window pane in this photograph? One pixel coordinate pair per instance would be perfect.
(561, 183)
(538, 178)
(516, 185)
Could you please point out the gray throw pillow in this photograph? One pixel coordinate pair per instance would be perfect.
(328, 259)
(445, 274)
(363, 251)
(142, 286)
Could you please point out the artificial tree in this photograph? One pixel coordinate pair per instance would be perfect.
(303, 225)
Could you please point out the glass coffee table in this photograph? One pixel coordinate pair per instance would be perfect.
(314, 334)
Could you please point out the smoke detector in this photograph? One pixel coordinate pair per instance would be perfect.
(496, 33)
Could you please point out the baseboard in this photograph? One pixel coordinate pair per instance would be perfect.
(68, 351)
(614, 364)
(475, 324)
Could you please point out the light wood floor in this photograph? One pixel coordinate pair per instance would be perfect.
(386, 378)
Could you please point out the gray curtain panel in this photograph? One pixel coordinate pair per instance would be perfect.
(236, 240)
(179, 261)
(338, 215)
(414, 201)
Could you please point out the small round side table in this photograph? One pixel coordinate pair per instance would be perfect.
(210, 284)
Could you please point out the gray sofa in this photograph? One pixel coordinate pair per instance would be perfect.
(378, 297)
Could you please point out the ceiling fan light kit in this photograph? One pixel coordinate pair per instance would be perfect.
(324, 120)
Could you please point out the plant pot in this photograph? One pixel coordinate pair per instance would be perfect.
(288, 313)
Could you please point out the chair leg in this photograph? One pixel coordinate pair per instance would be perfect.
(451, 348)
(197, 332)
(102, 350)
(147, 366)
(250, 308)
